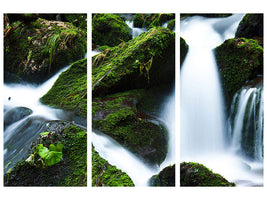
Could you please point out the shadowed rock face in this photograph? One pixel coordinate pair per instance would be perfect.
(15, 115)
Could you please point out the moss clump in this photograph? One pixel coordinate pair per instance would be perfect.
(195, 174)
(239, 60)
(165, 178)
(104, 174)
(146, 60)
(34, 51)
(117, 116)
(109, 29)
(70, 89)
(70, 171)
(138, 20)
(183, 50)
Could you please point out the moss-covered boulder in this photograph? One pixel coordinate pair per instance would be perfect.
(117, 116)
(104, 174)
(109, 29)
(239, 60)
(195, 174)
(171, 24)
(165, 178)
(183, 50)
(70, 171)
(69, 92)
(251, 26)
(145, 61)
(35, 50)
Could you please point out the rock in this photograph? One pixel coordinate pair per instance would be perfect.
(16, 114)
(145, 61)
(195, 174)
(183, 50)
(239, 60)
(36, 51)
(251, 26)
(109, 29)
(165, 178)
(117, 116)
(69, 92)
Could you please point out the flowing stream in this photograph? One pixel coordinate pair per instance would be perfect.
(204, 133)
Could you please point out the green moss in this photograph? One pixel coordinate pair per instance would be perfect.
(109, 29)
(239, 60)
(171, 24)
(118, 69)
(195, 174)
(70, 90)
(104, 174)
(166, 177)
(117, 116)
(138, 20)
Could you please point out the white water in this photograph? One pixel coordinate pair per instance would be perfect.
(250, 105)
(203, 132)
(135, 31)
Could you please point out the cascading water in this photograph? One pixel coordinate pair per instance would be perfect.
(203, 133)
(246, 122)
(135, 31)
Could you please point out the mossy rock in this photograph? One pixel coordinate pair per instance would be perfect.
(69, 92)
(104, 174)
(183, 50)
(195, 174)
(70, 171)
(239, 60)
(117, 116)
(109, 29)
(145, 61)
(251, 26)
(166, 177)
(138, 20)
(36, 50)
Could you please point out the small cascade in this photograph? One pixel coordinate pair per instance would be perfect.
(135, 31)
(246, 123)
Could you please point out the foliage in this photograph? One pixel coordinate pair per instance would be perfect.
(48, 156)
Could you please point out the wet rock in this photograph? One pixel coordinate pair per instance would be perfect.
(165, 178)
(16, 114)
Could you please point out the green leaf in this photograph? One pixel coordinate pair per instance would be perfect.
(52, 147)
(44, 133)
(42, 151)
(52, 158)
(60, 147)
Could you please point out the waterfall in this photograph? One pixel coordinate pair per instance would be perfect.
(204, 134)
(246, 120)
